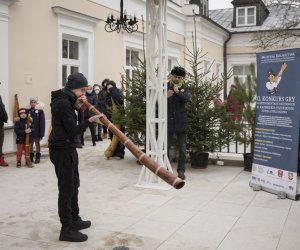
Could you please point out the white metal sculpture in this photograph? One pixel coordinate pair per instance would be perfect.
(156, 93)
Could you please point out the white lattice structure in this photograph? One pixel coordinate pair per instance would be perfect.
(156, 94)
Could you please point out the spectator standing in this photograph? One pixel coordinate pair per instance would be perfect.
(21, 130)
(114, 99)
(38, 120)
(92, 99)
(3, 119)
(178, 96)
(234, 107)
(98, 127)
(103, 104)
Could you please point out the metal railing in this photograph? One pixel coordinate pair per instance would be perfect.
(235, 146)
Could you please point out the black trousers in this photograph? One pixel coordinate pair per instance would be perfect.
(66, 169)
(181, 140)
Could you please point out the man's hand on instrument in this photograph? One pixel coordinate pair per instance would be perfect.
(27, 130)
(80, 100)
(96, 119)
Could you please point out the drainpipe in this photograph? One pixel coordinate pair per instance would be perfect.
(225, 64)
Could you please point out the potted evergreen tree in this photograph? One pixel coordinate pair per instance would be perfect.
(208, 126)
(246, 94)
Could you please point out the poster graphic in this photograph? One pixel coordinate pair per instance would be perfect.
(276, 141)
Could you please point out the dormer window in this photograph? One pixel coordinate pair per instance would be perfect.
(245, 16)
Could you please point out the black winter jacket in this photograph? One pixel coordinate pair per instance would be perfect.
(38, 120)
(64, 126)
(177, 118)
(19, 129)
(3, 114)
(116, 95)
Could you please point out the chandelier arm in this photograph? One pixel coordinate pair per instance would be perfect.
(130, 25)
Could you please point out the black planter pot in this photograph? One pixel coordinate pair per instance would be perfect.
(248, 160)
(199, 160)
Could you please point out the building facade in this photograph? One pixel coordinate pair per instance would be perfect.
(42, 42)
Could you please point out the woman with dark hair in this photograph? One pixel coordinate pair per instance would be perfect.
(114, 100)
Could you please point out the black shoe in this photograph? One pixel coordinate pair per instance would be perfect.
(37, 158)
(80, 224)
(67, 234)
(181, 175)
(18, 164)
(94, 143)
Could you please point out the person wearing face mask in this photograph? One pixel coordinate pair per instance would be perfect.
(92, 99)
(98, 127)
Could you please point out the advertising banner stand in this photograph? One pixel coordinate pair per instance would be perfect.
(275, 159)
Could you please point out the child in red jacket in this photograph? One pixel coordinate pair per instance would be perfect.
(21, 131)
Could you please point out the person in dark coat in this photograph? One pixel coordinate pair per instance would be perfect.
(21, 131)
(92, 99)
(38, 120)
(63, 140)
(102, 97)
(3, 119)
(178, 96)
(114, 99)
(98, 127)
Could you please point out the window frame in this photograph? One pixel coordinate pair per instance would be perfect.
(246, 23)
(129, 67)
(241, 76)
(69, 63)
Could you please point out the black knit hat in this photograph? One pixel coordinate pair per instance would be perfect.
(106, 80)
(178, 71)
(76, 81)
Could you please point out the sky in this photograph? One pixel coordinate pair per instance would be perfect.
(220, 4)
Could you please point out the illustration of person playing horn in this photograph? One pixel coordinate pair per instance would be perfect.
(273, 82)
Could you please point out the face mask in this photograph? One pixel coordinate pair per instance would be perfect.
(89, 91)
(97, 91)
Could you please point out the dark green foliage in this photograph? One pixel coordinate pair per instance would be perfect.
(135, 103)
(208, 126)
(246, 94)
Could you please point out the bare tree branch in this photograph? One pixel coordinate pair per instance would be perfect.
(285, 30)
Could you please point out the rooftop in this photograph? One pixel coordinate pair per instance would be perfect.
(275, 19)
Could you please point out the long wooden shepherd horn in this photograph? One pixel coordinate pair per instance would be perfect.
(153, 166)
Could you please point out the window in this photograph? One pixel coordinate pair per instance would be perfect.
(206, 67)
(241, 72)
(75, 43)
(245, 16)
(132, 61)
(70, 58)
(172, 61)
(219, 70)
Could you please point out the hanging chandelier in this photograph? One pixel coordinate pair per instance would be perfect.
(124, 22)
